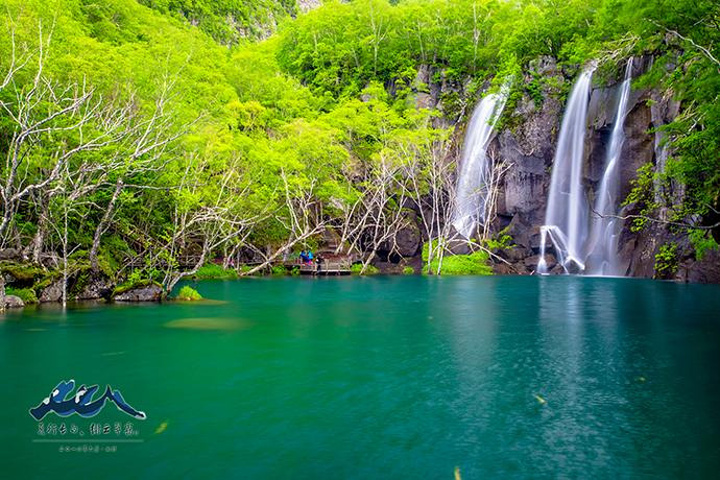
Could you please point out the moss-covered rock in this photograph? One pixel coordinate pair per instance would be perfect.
(188, 294)
(474, 264)
(27, 295)
(138, 291)
(357, 269)
(13, 301)
(130, 285)
(51, 292)
(88, 285)
(22, 273)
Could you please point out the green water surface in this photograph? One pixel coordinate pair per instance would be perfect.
(387, 377)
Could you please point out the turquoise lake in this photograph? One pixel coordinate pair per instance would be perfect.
(384, 377)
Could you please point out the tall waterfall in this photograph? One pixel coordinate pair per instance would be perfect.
(602, 257)
(566, 218)
(583, 244)
(475, 177)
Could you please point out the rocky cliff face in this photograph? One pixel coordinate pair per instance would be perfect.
(229, 23)
(306, 5)
(527, 145)
(527, 142)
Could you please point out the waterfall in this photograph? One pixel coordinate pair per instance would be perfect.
(584, 245)
(566, 218)
(475, 176)
(602, 259)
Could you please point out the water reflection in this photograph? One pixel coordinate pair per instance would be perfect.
(581, 368)
(405, 376)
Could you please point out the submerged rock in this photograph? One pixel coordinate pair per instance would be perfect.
(209, 323)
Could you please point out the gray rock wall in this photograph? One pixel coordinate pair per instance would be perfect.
(528, 141)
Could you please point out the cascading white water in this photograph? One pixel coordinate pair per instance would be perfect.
(473, 183)
(566, 217)
(602, 257)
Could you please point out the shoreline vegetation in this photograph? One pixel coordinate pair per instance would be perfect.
(143, 140)
(33, 285)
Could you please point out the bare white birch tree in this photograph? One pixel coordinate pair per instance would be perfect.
(301, 216)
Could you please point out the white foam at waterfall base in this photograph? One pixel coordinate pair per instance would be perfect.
(473, 183)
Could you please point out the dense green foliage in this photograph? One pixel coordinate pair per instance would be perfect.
(666, 260)
(188, 294)
(357, 269)
(472, 264)
(212, 271)
(228, 21)
(162, 144)
(27, 295)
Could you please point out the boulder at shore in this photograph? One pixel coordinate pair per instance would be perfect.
(148, 293)
(13, 301)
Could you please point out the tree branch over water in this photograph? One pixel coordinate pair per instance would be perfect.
(660, 221)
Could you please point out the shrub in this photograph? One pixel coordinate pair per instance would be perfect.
(642, 194)
(666, 260)
(425, 252)
(408, 271)
(212, 271)
(702, 241)
(356, 269)
(21, 272)
(26, 294)
(501, 241)
(279, 270)
(473, 264)
(188, 294)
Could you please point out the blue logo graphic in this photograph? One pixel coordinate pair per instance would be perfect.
(81, 402)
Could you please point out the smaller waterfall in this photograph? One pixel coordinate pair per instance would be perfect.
(602, 259)
(474, 178)
(566, 217)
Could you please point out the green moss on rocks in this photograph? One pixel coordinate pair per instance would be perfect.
(188, 294)
(473, 264)
(21, 272)
(46, 280)
(356, 269)
(133, 284)
(27, 295)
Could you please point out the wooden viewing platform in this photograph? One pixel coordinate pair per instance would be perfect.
(323, 268)
(330, 265)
